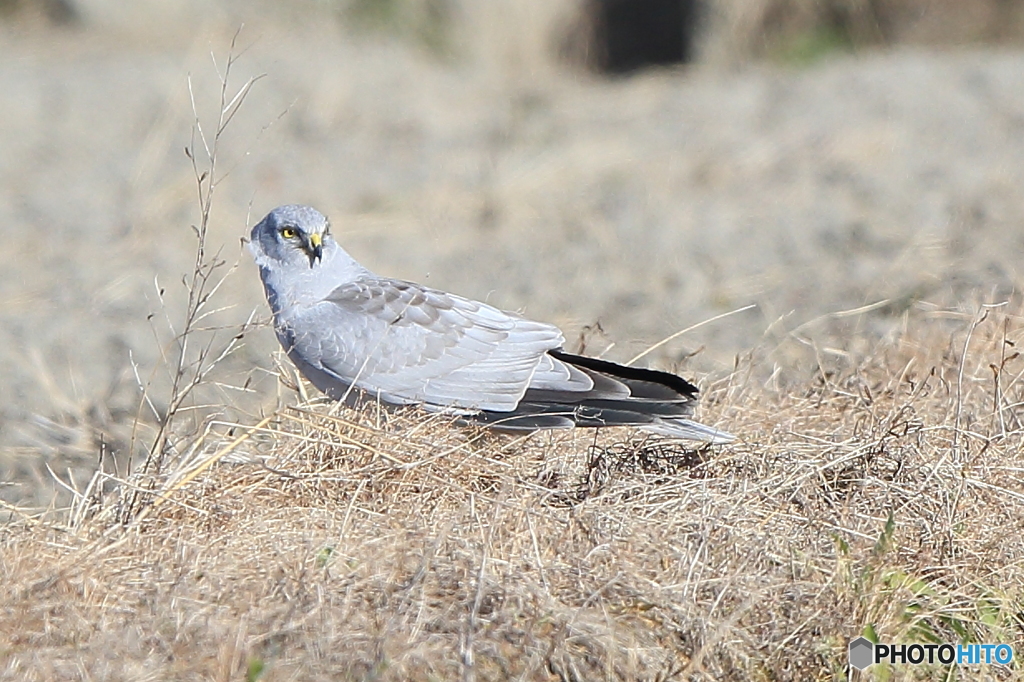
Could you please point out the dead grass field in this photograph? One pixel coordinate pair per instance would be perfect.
(883, 493)
(875, 488)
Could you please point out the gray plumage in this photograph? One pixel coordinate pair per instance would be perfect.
(353, 334)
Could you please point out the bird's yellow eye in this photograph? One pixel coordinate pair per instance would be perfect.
(288, 232)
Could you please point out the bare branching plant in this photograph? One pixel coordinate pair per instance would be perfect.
(196, 348)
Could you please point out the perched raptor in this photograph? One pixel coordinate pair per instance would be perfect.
(353, 333)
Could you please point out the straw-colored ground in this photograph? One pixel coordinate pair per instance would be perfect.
(329, 544)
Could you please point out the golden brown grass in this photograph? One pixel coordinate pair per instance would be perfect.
(883, 495)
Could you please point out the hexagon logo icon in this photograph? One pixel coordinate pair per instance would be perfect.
(862, 653)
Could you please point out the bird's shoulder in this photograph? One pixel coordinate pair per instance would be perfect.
(399, 302)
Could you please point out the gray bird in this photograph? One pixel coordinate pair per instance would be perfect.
(355, 334)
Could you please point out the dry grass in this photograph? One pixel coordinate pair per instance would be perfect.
(338, 544)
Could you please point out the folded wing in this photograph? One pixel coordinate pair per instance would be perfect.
(410, 344)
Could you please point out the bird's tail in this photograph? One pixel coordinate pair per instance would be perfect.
(655, 401)
(690, 430)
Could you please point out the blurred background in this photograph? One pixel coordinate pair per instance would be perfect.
(623, 168)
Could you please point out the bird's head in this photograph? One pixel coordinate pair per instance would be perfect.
(291, 235)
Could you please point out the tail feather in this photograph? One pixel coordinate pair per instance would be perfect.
(643, 383)
(691, 430)
(659, 402)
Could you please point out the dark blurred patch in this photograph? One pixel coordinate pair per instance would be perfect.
(638, 33)
(55, 12)
(620, 36)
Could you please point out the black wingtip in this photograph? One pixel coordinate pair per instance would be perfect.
(672, 381)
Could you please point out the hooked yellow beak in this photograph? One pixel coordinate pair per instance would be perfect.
(316, 248)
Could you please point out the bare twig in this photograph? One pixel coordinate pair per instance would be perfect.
(196, 349)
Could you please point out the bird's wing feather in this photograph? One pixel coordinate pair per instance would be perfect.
(408, 343)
